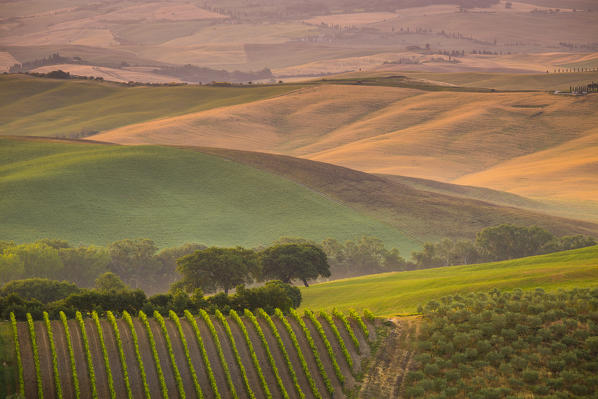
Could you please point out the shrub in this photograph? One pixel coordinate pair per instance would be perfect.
(340, 340)
(316, 323)
(314, 350)
(233, 345)
(127, 318)
(121, 353)
(38, 376)
(231, 386)
(204, 354)
(175, 369)
(98, 325)
(339, 315)
(175, 318)
(304, 366)
(57, 384)
(254, 359)
(15, 335)
(90, 370)
(71, 354)
(266, 347)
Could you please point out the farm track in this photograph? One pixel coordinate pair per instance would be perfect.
(136, 382)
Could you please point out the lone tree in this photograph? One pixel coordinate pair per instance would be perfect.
(287, 262)
(214, 268)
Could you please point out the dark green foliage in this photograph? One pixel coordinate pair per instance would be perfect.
(287, 262)
(42, 289)
(507, 344)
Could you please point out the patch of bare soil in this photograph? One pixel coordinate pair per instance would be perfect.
(114, 359)
(80, 360)
(64, 364)
(197, 360)
(98, 359)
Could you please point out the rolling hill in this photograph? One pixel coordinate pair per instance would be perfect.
(401, 292)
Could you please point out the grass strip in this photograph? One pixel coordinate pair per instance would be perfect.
(127, 318)
(355, 316)
(121, 353)
(283, 350)
(233, 345)
(175, 318)
(304, 366)
(341, 316)
(314, 350)
(150, 337)
(96, 320)
(15, 334)
(254, 359)
(90, 370)
(175, 369)
(38, 375)
(266, 347)
(69, 344)
(57, 384)
(340, 340)
(231, 386)
(204, 354)
(316, 323)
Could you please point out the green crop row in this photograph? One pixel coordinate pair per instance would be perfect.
(69, 345)
(266, 347)
(57, 384)
(341, 316)
(355, 316)
(98, 325)
(15, 334)
(38, 376)
(283, 350)
(127, 318)
(175, 318)
(314, 350)
(90, 370)
(121, 353)
(340, 340)
(204, 354)
(320, 330)
(304, 366)
(368, 315)
(254, 359)
(175, 369)
(233, 345)
(152, 342)
(231, 386)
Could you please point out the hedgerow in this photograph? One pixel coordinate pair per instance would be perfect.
(233, 345)
(204, 354)
(57, 384)
(121, 353)
(266, 347)
(283, 350)
(231, 386)
(150, 337)
(96, 320)
(127, 318)
(69, 345)
(355, 316)
(38, 376)
(174, 317)
(254, 359)
(15, 334)
(175, 369)
(337, 370)
(314, 350)
(91, 371)
(304, 366)
(341, 316)
(340, 340)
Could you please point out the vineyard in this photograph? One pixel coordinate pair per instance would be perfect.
(240, 356)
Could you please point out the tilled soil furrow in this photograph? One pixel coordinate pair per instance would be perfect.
(252, 375)
(180, 358)
(64, 364)
(214, 358)
(27, 360)
(164, 357)
(263, 359)
(148, 360)
(45, 360)
(114, 359)
(97, 358)
(349, 344)
(340, 358)
(198, 363)
(80, 359)
(233, 367)
(132, 366)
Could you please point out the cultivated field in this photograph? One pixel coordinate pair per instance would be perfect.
(400, 293)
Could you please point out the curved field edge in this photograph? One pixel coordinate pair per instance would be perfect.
(401, 292)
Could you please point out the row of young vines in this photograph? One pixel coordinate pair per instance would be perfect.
(128, 330)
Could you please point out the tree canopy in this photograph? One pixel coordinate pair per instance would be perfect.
(287, 262)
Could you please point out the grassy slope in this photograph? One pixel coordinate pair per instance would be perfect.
(401, 292)
(89, 193)
(49, 107)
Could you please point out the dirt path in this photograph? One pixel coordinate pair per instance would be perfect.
(114, 359)
(80, 360)
(233, 366)
(180, 358)
(64, 364)
(164, 357)
(98, 359)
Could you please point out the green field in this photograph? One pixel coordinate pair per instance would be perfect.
(71, 108)
(402, 292)
(92, 193)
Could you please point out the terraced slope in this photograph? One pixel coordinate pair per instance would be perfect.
(401, 292)
(92, 193)
(172, 346)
